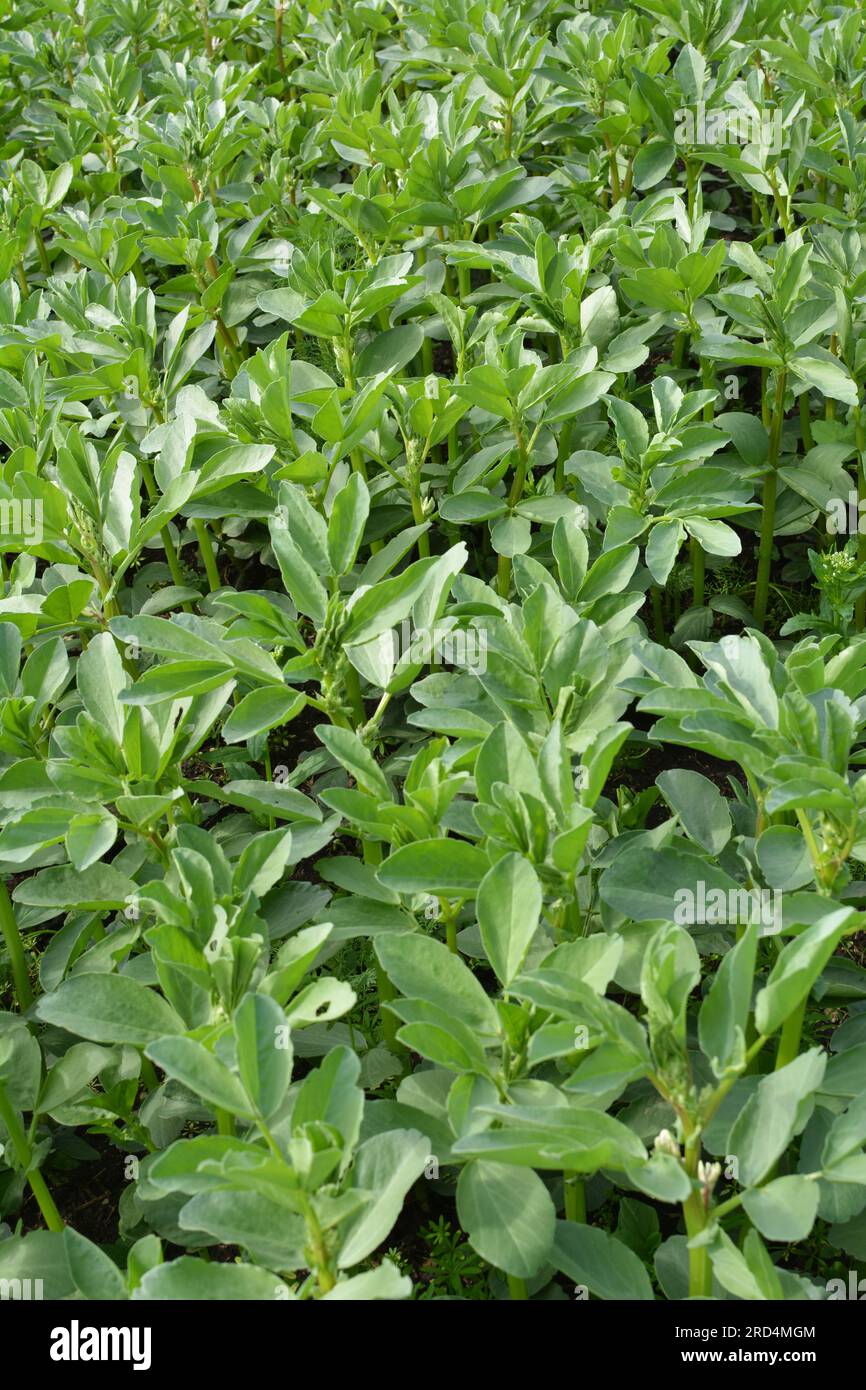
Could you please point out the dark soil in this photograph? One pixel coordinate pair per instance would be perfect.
(87, 1195)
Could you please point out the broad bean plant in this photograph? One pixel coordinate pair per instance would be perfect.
(433, 649)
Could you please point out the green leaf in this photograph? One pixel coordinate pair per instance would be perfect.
(90, 835)
(346, 748)
(386, 1282)
(827, 377)
(598, 1261)
(555, 1137)
(264, 1053)
(700, 806)
(95, 889)
(191, 1064)
(301, 581)
(783, 857)
(451, 867)
(390, 351)
(509, 910)
(109, 1009)
(724, 1013)
(662, 549)
(191, 1280)
(385, 1167)
(645, 884)
(267, 708)
(346, 524)
(95, 1276)
(100, 677)
(779, 1109)
(797, 968)
(508, 1215)
(422, 968)
(384, 604)
(783, 1210)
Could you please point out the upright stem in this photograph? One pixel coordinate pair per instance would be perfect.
(385, 989)
(450, 915)
(278, 36)
(353, 691)
(503, 569)
(225, 1123)
(563, 452)
(205, 27)
(319, 1251)
(695, 1215)
(860, 438)
(699, 561)
(658, 615)
(205, 545)
(43, 254)
(575, 1196)
(690, 186)
(516, 1287)
(508, 131)
(418, 509)
(805, 422)
(768, 520)
(15, 949)
(700, 1271)
(171, 555)
(38, 1186)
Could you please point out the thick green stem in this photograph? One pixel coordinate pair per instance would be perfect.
(173, 560)
(695, 1215)
(225, 1122)
(319, 1251)
(353, 691)
(700, 1270)
(516, 1287)
(691, 186)
(171, 555)
(698, 572)
(765, 404)
(43, 254)
(503, 568)
(15, 950)
(658, 615)
(563, 452)
(278, 37)
(768, 520)
(205, 545)
(38, 1186)
(860, 438)
(709, 410)
(450, 915)
(805, 422)
(385, 989)
(418, 514)
(575, 1196)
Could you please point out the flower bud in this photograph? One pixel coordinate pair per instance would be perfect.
(665, 1143)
